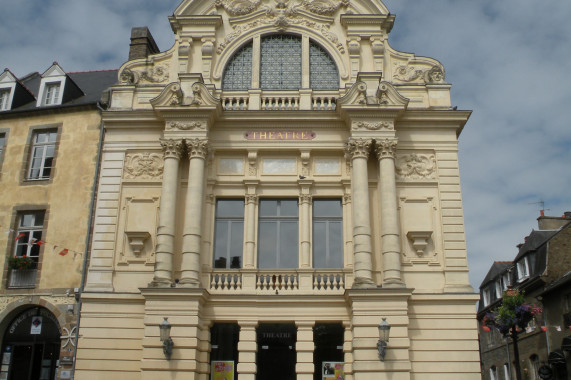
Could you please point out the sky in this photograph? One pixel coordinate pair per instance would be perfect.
(507, 60)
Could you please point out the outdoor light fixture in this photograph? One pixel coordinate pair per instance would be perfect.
(165, 328)
(384, 329)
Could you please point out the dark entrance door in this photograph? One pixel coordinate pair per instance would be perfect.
(31, 346)
(276, 351)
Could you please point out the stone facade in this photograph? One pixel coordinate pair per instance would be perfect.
(179, 142)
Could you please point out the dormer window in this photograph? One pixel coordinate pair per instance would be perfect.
(4, 99)
(281, 60)
(522, 269)
(51, 93)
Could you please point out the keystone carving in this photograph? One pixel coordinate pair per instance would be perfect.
(416, 166)
(238, 7)
(144, 165)
(324, 7)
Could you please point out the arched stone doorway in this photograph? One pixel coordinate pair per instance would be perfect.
(31, 345)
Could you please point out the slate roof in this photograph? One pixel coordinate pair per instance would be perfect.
(534, 241)
(91, 83)
(496, 268)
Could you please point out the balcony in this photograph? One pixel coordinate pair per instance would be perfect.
(294, 281)
(22, 278)
(258, 100)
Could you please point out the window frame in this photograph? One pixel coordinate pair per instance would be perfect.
(256, 72)
(33, 233)
(522, 269)
(29, 154)
(279, 220)
(328, 220)
(230, 221)
(5, 98)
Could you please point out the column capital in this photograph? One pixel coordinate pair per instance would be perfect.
(197, 148)
(358, 148)
(305, 198)
(251, 198)
(386, 148)
(171, 148)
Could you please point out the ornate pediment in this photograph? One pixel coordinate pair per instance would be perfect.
(172, 95)
(387, 95)
(357, 95)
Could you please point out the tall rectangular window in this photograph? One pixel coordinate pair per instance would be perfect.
(29, 233)
(51, 94)
(43, 150)
(4, 96)
(327, 233)
(278, 233)
(229, 233)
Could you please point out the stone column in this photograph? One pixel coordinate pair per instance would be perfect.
(348, 350)
(247, 349)
(390, 231)
(358, 149)
(304, 346)
(172, 150)
(250, 224)
(305, 204)
(191, 239)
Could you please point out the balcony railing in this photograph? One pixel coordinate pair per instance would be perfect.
(299, 281)
(279, 100)
(22, 278)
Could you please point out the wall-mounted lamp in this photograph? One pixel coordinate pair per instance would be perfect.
(384, 329)
(168, 344)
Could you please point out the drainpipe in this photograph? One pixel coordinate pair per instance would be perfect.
(87, 237)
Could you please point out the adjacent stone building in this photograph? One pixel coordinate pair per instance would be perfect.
(50, 128)
(275, 184)
(542, 271)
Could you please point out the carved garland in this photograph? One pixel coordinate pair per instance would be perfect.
(374, 126)
(184, 126)
(144, 165)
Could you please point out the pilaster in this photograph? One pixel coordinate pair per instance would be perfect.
(304, 366)
(247, 349)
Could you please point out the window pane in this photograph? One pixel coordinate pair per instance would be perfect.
(229, 233)
(288, 207)
(267, 245)
(268, 207)
(288, 256)
(327, 233)
(230, 208)
(238, 71)
(280, 57)
(323, 71)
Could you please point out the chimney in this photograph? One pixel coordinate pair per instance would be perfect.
(142, 43)
(553, 222)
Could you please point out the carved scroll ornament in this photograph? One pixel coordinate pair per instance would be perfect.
(144, 166)
(407, 73)
(416, 166)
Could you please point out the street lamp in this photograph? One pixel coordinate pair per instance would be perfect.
(384, 329)
(165, 328)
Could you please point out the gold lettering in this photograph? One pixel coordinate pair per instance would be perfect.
(280, 136)
(304, 135)
(263, 135)
(272, 136)
(296, 135)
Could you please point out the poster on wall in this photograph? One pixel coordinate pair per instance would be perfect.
(222, 370)
(36, 327)
(332, 371)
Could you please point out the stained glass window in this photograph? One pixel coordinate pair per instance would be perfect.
(238, 72)
(280, 62)
(322, 70)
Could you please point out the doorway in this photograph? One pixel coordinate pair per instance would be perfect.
(276, 355)
(31, 345)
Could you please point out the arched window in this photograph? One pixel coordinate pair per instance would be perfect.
(281, 58)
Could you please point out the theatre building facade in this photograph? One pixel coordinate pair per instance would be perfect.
(276, 184)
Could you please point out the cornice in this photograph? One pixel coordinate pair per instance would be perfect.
(385, 21)
(209, 20)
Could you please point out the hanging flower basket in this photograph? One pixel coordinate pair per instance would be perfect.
(21, 263)
(512, 312)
